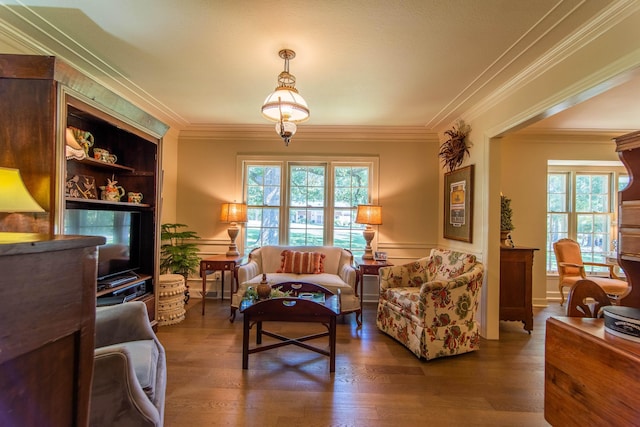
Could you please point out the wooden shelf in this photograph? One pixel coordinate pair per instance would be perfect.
(103, 165)
(140, 279)
(106, 203)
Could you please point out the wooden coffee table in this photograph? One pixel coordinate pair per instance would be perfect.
(323, 307)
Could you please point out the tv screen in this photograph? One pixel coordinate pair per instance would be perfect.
(120, 253)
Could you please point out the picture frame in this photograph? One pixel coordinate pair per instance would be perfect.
(458, 204)
(380, 256)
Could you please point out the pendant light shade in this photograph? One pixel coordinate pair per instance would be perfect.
(285, 105)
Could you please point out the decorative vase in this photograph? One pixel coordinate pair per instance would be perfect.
(505, 238)
(263, 289)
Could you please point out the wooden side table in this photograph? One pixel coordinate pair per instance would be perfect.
(368, 267)
(218, 263)
(516, 275)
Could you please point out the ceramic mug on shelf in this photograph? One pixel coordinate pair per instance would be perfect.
(112, 158)
(134, 197)
(100, 154)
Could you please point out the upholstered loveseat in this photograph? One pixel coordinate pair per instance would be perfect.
(430, 305)
(328, 266)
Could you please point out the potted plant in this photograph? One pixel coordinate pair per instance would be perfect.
(506, 224)
(177, 255)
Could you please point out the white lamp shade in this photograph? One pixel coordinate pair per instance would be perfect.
(14, 196)
(369, 214)
(294, 107)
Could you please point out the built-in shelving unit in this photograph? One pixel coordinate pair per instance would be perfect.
(42, 97)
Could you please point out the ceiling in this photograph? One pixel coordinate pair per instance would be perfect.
(359, 62)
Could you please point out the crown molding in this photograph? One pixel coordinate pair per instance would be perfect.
(227, 133)
(583, 89)
(579, 136)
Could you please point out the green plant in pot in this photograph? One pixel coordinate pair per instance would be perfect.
(177, 254)
(506, 224)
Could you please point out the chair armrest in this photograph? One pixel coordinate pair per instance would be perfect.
(444, 293)
(117, 397)
(247, 271)
(571, 264)
(348, 274)
(612, 273)
(121, 323)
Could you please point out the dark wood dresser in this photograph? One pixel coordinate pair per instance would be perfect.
(516, 266)
(47, 318)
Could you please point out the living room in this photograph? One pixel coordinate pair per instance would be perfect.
(201, 166)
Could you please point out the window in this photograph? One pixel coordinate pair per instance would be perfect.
(581, 206)
(319, 204)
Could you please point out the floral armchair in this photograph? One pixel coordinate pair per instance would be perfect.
(430, 305)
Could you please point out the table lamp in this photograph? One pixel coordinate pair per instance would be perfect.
(14, 196)
(233, 213)
(369, 215)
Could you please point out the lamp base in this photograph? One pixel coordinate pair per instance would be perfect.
(368, 234)
(233, 233)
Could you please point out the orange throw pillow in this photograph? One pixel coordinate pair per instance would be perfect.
(302, 262)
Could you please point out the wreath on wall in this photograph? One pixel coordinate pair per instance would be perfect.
(453, 150)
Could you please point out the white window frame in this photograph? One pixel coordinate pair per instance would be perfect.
(572, 171)
(243, 161)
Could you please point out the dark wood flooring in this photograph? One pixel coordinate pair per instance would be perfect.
(377, 381)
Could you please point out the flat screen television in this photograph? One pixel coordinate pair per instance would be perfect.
(121, 253)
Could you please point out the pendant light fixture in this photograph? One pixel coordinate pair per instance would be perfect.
(284, 105)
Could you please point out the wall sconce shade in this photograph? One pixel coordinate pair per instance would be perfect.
(14, 196)
(369, 215)
(233, 213)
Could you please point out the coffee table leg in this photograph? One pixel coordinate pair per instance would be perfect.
(332, 344)
(259, 332)
(245, 343)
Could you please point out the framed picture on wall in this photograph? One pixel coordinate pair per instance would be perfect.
(458, 204)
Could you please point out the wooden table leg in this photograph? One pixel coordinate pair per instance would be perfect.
(259, 332)
(245, 343)
(204, 288)
(332, 344)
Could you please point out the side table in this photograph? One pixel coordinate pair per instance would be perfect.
(218, 263)
(368, 267)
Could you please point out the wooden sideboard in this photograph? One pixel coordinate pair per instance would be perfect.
(47, 318)
(516, 266)
(592, 378)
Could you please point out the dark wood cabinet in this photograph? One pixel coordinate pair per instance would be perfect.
(516, 265)
(40, 97)
(47, 313)
(628, 147)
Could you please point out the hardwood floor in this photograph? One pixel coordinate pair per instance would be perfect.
(377, 382)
